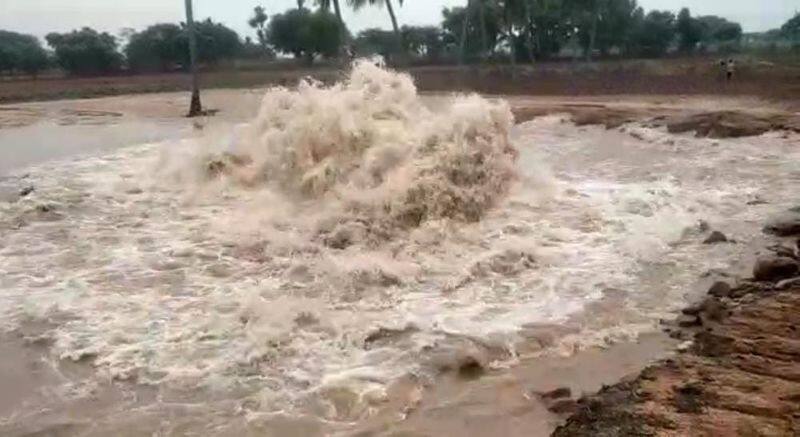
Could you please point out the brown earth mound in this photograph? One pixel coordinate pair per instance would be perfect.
(732, 124)
(584, 114)
(740, 377)
(714, 124)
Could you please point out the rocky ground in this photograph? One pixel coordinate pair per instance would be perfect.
(738, 372)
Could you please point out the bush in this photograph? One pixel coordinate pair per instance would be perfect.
(19, 52)
(157, 48)
(85, 51)
(306, 34)
(165, 46)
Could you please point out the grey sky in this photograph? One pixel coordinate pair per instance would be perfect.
(42, 16)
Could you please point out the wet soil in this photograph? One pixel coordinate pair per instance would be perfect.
(740, 376)
(712, 124)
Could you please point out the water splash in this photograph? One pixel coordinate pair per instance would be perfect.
(369, 146)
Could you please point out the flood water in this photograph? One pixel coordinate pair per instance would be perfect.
(140, 295)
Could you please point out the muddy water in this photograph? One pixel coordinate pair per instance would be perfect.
(140, 298)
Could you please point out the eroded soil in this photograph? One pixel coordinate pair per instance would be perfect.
(740, 377)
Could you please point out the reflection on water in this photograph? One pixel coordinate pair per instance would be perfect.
(40, 142)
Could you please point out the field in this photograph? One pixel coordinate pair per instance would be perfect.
(697, 76)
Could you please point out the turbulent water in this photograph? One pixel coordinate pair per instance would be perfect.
(286, 274)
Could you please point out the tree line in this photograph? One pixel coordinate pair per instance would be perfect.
(481, 30)
(160, 47)
(515, 30)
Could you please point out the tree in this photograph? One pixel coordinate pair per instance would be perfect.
(587, 15)
(717, 30)
(215, 42)
(259, 22)
(85, 51)
(326, 5)
(376, 42)
(463, 33)
(358, 4)
(513, 13)
(165, 46)
(254, 50)
(689, 30)
(550, 25)
(615, 24)
(21, 53)
(791, 29)
(159, 47)
(306, 34)
(653, 33)
(423, 41)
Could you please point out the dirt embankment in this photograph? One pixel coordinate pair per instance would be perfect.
(739, 375)
(671, 77)
(713, 124)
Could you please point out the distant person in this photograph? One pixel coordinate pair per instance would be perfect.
(730, 68)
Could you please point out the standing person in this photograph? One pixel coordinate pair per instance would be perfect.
(730, 69)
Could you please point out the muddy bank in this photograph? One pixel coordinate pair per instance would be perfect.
(712, 124)
(738, 372)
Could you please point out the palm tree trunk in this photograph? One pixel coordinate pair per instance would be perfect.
(396, 28)
(511, 41)
(338, 11)
(464, 28)
(593, 34)
(195, 107)
(529, 18)
(484, 38)
(345, 37)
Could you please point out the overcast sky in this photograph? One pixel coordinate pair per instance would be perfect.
(42, 16)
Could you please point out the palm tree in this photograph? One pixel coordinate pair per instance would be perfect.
(195, 107)
(326, 5)
(358, 4)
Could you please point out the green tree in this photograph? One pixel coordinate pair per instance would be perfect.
(259, 22)
(85, 51)
(689, 30)
(326, 5)
(160, 47)
(717, 30)
(586, 14)
(423, 42)
(376, 42)
(306, 34)
(21, 53)
(791, 29)
(358, 4)
(615, 24)
(165, 46)
(215, 42)
(550, 25)
(7, 61)
(652, 33)
(463, 33)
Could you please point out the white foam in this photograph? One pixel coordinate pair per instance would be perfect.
(234, 283)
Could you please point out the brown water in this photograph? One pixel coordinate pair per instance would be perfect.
(139, 297)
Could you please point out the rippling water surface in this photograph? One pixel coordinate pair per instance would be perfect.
(220, 305)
